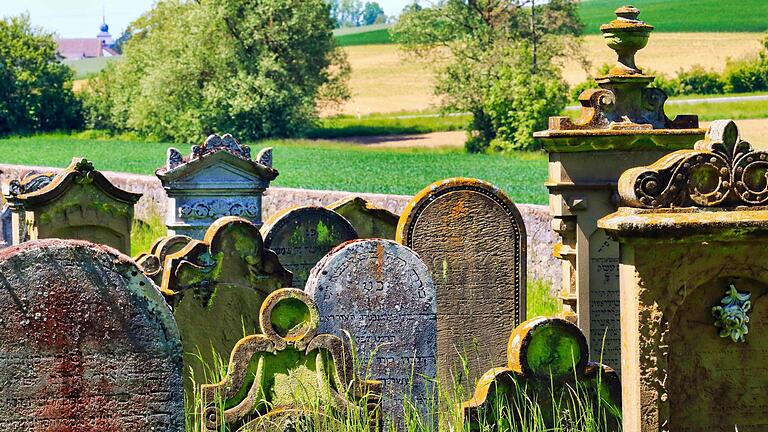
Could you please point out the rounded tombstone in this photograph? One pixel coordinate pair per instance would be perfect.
(381, 294)
(472, 238)
(301, 236)
(87, 342)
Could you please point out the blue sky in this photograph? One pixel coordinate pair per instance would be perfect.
(81, 18)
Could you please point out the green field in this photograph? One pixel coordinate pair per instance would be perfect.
(309, 165)
(85, 68)
(368, 35)
(683, 16)
(388, 124)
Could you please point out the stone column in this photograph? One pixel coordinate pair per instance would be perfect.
(693, 237)
(217, 179)
(622, 124)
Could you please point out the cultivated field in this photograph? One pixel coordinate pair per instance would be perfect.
(384, 81)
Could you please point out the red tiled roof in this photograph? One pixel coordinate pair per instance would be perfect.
(79, 48)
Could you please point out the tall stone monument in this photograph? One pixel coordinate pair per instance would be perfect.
(77, 203)
(216, 287)
(290, 377)
(87, 343)
(217, 179)
(381, 293)
(472, 238)
(693, 233)
(301, 236)
(622, 125)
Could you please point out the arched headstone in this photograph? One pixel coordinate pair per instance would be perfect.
(381, 293)
(86, 343)
(301, 236)
(472, 238)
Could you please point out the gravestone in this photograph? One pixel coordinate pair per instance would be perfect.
(86, 343)
(305, 381)
(216, 287)
(301, 236)
(77, 203)
(472, 238)
(28, 182)
(622, 125)
(694, 287)
(381, 293)
(217, 179)
(151, 263)
(548, 363)
(369, 220)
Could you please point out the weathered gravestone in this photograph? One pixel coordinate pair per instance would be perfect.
(151, 263)
(86, 343)
(216, 287)
(369, 220)
(289, 377)
(28, 182)
(77, 203)
(622, 125)
(694, 288)
(472, 238)
(548, 377)
(381, 293)
(301, 236)
(217, 179)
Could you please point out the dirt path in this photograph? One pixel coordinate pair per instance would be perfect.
(430, 140)
(755, 131)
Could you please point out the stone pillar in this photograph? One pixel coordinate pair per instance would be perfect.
(622, 124)
(694, 288)
(217, 179)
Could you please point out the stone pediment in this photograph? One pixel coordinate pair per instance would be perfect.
(218, 152)
(221, 170)
(79, 171)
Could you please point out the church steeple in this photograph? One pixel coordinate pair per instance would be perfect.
(104, 36)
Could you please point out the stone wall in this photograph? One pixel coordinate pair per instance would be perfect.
(541, 239)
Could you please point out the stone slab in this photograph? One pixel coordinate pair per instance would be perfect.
(472, 238)
(87, 343)
(301, 236)
(382, 294)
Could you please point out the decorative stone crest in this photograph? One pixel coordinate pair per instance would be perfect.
(278, 376)
(624, 103)
(547, 360)
(731, 315)
(225, 142)
(30, 183)
(721, 171)
(151, 263)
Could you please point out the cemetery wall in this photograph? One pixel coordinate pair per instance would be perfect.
(153, 203)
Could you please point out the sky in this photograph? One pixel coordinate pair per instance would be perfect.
(82, 18)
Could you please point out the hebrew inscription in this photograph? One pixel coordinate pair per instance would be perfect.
(381, 293)
(604, 322)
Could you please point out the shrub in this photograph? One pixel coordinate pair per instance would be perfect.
(746, 75)
(698, 80)
(35, 88)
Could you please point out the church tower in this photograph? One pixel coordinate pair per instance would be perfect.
(104, 36)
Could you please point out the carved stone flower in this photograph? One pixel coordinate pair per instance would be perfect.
(731, 317)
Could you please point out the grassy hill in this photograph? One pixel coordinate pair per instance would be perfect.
(683, 15)
(369, 35)
(84, 68)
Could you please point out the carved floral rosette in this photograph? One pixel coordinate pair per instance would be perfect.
(214, 209)
(721, 171)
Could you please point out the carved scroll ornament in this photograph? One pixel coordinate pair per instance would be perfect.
(721, 171)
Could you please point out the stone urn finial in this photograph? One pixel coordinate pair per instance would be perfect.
(626, 35)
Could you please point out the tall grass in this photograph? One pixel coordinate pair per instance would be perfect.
(144, 233)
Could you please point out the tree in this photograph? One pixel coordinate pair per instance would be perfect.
(253, 68)
(373, 13)
(35, 88)
(503, 65)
